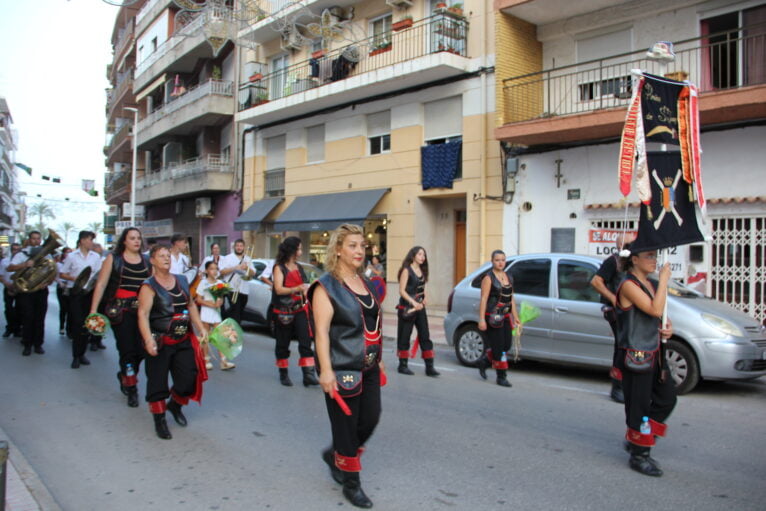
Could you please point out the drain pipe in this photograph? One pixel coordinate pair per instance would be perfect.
(483, 152)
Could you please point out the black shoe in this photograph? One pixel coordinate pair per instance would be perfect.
(284, 378)
(403, 369)
(161, 426)
(75, 363)
(335, 472)
(123, 388)
(93, 347)
(39, 350)
(501, 378)
(27, 351)
(628, 448)
(83, 360)
(100, 345)
(352, 490)
(616, 393)
(175, 410)
(7, 333)
(644, 465)
(309, 376)
(132, 397)
(483, 364)
(430, 371)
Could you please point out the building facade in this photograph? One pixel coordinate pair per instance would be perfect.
(561, 112)
(11, 207)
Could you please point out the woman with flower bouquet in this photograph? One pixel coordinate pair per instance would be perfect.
(210, 293)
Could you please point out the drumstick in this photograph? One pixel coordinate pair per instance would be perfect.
(341, 402)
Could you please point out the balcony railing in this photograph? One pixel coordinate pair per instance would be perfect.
(116, 181)
(119, 137)
(125, 36)
(115, 94)
(274, 183)
(212, 87)
(715, 62)
(209, 163)
(435, 34)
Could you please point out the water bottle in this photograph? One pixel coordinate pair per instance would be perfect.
(646, 428)
(129, 371)
(503, 357)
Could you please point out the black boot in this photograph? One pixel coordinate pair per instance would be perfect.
(403, 369)
(161, 426)
(501, 378)
(132, 396)
(616, 393)
(430, 371)
(175, 409)
(335, 472)
(309, 376)
(483, 364)
(352, 490)
(284, 378)
(627, 445)
(640, 461)
(123, 388)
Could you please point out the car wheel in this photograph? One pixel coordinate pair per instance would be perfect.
(683, 366)
(469, 345)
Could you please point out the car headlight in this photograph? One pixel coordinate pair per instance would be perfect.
(722, 325)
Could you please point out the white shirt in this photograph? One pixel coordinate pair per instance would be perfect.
(235, 278)
(209, 258)
(181, 266)
(76, 262)
(61, 282)
(4, 273)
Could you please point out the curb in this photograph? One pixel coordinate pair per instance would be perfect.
(31, 482)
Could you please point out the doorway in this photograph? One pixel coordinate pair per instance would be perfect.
(459, 273)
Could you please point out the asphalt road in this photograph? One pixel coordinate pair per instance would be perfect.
(553, 441)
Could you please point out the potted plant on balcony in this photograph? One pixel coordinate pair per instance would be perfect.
(261, 97)
(405, 22)
(318, 54)
(456, 9)
(438, 7)
(381, 47)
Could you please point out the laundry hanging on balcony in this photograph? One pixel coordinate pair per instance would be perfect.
(439, 163)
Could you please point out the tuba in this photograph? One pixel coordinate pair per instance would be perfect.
(43, 270)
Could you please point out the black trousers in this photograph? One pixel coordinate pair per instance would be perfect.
(63, 309)
(130, 346)
(298, 329)
(404, 332)
(178, 361)
(500, 339)
(234, 310)
(350, 432)
(12, 312)
(79, 305)
(646, 394)
(34, 307)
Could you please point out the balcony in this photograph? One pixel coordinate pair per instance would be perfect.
(202, 105)
(211, 173)
(117, 96)
(262, 30)
(587, 101)
(431, 49)
(125, 41)
(147, 13)
(117, 187)
(120, 148)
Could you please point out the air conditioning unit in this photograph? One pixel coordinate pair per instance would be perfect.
(292, 39)
(203, 207)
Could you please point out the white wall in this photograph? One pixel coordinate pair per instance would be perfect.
(158, 29)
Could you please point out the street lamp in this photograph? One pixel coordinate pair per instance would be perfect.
(133, 168)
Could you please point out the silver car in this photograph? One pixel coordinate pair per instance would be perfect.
(259, 293)
(711, 340)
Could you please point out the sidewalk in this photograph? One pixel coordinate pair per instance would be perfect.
(24, 491)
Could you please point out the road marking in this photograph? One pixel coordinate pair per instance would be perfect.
(578, 389)
(440, 369)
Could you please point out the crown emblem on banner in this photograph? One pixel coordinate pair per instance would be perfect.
(668, 181)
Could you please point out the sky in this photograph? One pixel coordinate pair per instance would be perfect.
(53, 76)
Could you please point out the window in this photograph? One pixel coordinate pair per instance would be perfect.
(274, 176)
(531, 277)
(620, 88)
(574, 281)
(154, 44)
(278, 77)
(379, 132)
(315, 143)
(381, 32)
(316, 45)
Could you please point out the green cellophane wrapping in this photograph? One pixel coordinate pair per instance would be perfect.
(101, 320)
(527, 313)
(228, 338)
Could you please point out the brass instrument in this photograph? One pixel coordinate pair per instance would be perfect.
(84, 282)
(249, 273)
(43, 270)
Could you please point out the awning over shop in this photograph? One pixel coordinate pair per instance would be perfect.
(328, 211)
(252, 218)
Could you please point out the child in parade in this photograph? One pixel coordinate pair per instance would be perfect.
(210, 310)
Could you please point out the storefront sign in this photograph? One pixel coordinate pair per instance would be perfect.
(603, 242)
(158, 228)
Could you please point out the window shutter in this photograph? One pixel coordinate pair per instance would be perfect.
(444, 118)
(379, 124)
(275, 152)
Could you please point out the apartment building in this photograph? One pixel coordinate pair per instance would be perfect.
(376, 112)
(11, 207)
(184, 83)
(562, 86)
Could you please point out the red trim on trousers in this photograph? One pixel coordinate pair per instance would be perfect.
(183, 401)
(405, 354)
(348, 463)
(306, 362)
(637, 438)
(615, 374)
(499, 364)
(157, 406)
(199, 359)
(283, 363)
(658, 428)
(428, 354)
(129, 381)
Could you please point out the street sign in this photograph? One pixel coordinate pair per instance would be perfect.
(126, 210)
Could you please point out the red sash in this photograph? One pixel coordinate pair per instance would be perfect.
(199, 359)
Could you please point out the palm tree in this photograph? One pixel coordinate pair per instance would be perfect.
(42, 229)
(95, 227)
(42, 210)
(66, 228)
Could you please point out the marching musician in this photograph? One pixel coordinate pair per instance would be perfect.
(180, 264)
(236, 268)
(123, 272)
(79, 300)
(215, 256)
(10, 298)
(62, 297)
(33, 305)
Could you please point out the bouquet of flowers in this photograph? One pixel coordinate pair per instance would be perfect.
(219, 290)
(227, 337)
(97, 324)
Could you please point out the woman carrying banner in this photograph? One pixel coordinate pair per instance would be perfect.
(412, 277)
(165, 317)
(347, 314)
(291, 312)
(497, 317)
(123, 272)
(648, 387)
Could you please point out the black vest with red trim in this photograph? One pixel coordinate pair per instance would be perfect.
(286, 301)
(347, 349)
(636, 329)
(416, 287)
(499, 293)
(115, 278)
(163, 307)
